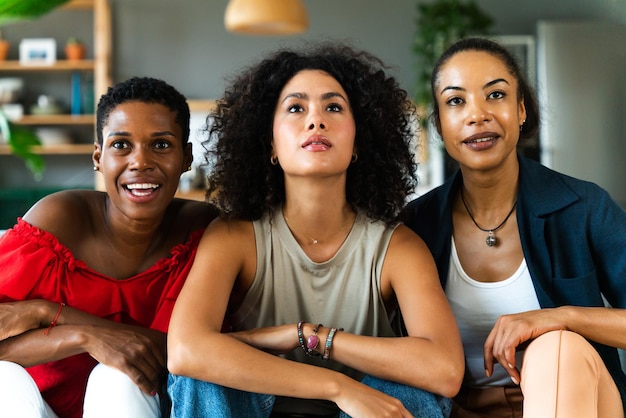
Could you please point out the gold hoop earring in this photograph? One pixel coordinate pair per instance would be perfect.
(274, 160)
(355, 157)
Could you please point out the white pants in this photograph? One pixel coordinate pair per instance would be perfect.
(110, 393)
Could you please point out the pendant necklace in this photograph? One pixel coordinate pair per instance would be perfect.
(315, 241)
(491, 237)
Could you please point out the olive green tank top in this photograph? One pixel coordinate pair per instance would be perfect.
(343, 292)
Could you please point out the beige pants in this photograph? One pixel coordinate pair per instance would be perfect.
(562, 377)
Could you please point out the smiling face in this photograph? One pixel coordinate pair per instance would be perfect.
(480, 112)
(313, 127)
(141, 158)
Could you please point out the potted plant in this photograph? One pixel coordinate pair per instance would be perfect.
(21, 140)
(439, 24)
(4, 48)
(74, 49)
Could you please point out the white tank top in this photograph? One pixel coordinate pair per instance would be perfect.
(477, 305)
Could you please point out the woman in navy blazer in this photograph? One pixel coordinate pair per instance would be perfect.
(524, 253)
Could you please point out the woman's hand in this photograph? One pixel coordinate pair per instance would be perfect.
(276, 340)
(19, 317)
(359, 400)
(512, 332)
(140, 356)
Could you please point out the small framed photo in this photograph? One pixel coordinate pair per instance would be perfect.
(38, 51)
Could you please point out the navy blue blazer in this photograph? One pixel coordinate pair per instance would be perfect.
(573, 237)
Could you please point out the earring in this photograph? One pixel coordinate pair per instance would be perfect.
(188, 168)
(95, 168)
(274, 160)
(355, 157)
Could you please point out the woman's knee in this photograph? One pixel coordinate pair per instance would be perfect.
(197, 398)
(10, 373)
(111, 392)
(419, 402)
(19, 394)
(565, 346)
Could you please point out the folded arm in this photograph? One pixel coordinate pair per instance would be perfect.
(29, 339)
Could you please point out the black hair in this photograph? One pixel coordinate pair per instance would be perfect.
(244, 183)
(145, 90)
(524, 91)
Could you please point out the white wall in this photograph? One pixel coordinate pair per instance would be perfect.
(582, 92)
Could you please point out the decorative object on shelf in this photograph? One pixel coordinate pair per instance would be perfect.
(10, 89)
(13, 111)
(438, 25)
(4, 48)
(75, 49)
(76, 94)
(46, 105)
(20, 138)
(53, 135)
(38, 51)
(16, 10)
(266, 17)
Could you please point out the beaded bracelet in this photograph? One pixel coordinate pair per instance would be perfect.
(313, 341)
(301, 336)
(54, 321)
(329, 342)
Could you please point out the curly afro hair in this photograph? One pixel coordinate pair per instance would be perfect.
(243, 182)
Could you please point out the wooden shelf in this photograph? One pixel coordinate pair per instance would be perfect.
(195, 194)
(78, 4)
(59, 65)
(196, 105)
(61, 149)
(56, 120)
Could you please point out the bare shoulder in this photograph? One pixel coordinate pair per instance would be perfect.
(231, 229)
(230, 239)
(408, 257)
(65, 212)
(405, 240)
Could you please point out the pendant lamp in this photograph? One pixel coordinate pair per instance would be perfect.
(266, 17)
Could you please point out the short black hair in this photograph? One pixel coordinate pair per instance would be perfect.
(145, 90)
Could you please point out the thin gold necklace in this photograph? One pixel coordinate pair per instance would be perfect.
(491, 240)
(315, 241)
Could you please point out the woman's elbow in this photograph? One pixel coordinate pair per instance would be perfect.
(174, 366)
(453, 378)
(176, 356)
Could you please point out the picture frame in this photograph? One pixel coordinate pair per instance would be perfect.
(38, 51)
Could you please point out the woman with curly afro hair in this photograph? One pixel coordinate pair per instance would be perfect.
(311, 162)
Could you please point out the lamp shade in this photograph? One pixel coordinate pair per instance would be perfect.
(266, 17)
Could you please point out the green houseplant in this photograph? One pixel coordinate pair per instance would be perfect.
(19, 138)
(440, 23)
(17, 10)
